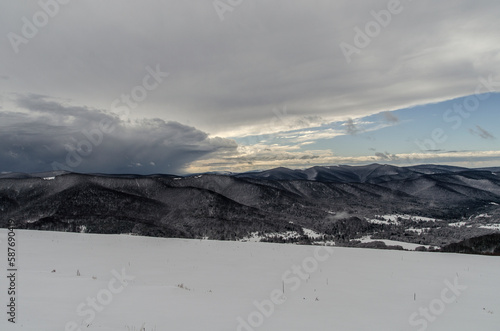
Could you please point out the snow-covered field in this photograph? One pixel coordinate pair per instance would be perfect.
(255, 237)
(394, 218)
(491, 226)
(173, 284)
(457, 224)
(405, 245)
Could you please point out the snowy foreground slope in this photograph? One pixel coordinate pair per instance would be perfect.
(212, 285)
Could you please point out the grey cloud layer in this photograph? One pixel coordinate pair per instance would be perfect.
(71, 136)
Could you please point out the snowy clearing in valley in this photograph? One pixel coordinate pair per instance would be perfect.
(178, 284)
(405, 245)
(384, 222)
(457, 224)
(419, 231)
(490, 226)
(255, 237)
(394, 218)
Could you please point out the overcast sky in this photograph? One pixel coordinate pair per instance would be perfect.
(200, 85)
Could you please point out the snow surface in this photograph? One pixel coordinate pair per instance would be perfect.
(312, 234)
(491, 226)
(384, 222)
(255, 237)
(207, 285)
(457, 224)
(394, 218)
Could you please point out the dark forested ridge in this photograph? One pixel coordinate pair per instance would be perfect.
(488, 244)
(428, 205)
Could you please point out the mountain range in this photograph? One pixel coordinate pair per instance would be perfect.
(432, 205)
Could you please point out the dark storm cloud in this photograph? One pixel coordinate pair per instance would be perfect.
(351, 127)
(390, 117)
(386, 156)
(53, 135)
(482, 133)
(59, 112)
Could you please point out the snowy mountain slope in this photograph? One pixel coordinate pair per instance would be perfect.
(373, 173)
(435, 169)
(183, 285)
(341, 173)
